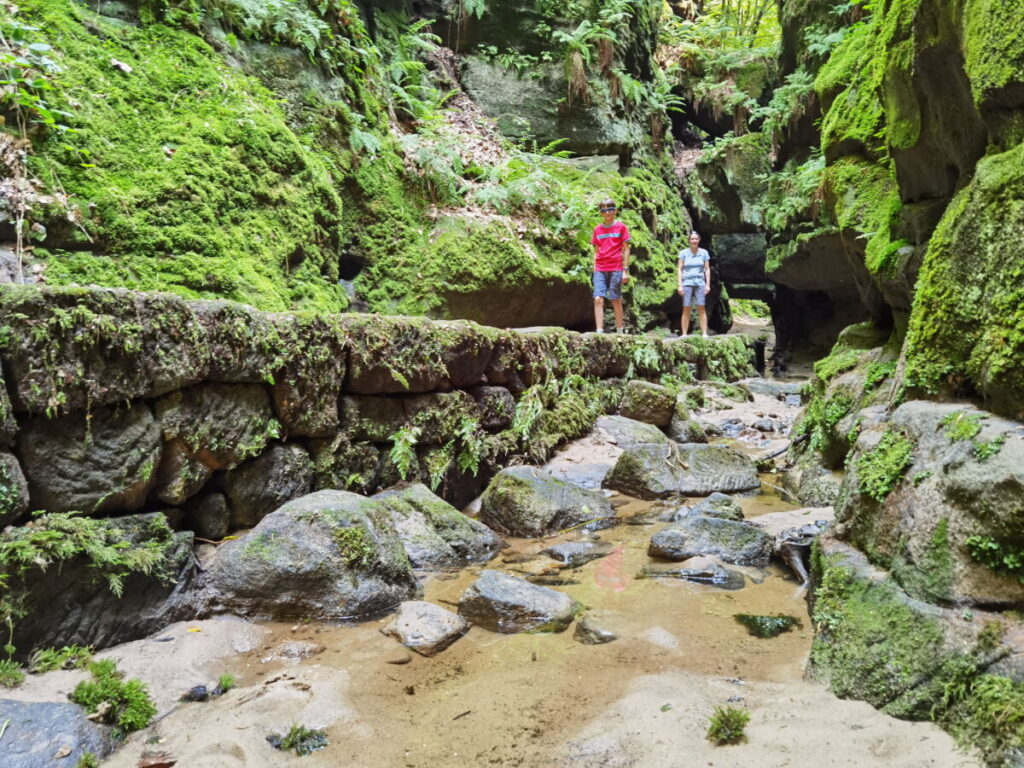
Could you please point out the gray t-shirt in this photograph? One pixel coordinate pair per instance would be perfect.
(693, 266)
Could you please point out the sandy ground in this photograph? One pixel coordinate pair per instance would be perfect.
(534, 701)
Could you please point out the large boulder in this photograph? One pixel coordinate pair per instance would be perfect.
(503, 603)
(74, 604)
(258, 487)
(425, 628)
(37, 732)
(328, 555)
(101, 462)
(434, 533)
(738, 543)
(526, 501)
(647, 402)
(689, 469)
(937, 495)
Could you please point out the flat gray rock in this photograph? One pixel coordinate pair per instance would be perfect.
(579, 552)
(739, 543)
(425, 628)
(503, 603)
(719, 505)
(590, 632)
(526, 501)
(42, 734)
(691, 469)
(629, 433)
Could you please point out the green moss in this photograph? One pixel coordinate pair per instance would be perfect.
(50, 659)
(186, 172)
(127, 703)
(1004, 557)
(820, 418)
(838, 361)
(962, 425)
(355, 546)
(931, 576)
(880, 471)
(967, 321)
(993, 47)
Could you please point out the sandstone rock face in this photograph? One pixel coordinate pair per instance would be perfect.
(425, 628)
(957, 493)
(329, 555)
(434, 533)
(738, 543)
(13, 490)
(39, 730)
(258, 487)
(526, 501)
(503, 603)
(647, 402)
(658, 472)
(102, 464)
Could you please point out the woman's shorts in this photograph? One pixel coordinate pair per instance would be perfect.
(693, 294)
(608, 285)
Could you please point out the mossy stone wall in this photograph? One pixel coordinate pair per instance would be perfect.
(372, 399)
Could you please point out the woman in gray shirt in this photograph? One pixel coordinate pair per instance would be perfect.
(694, 278)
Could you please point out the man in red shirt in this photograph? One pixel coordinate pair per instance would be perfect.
(611, 264)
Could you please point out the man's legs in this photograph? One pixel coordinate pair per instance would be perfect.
(617, 309)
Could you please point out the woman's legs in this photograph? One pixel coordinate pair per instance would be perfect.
(684, 326)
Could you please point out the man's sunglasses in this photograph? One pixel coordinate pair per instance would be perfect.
(606, 210)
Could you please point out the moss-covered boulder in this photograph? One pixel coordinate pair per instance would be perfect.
(663, 471)
(502, 603)
(935, 495)
(526, 501)
(328, 555)
(909, 658)
(734, 542)
(496, 406)
(968, 317)
(434, 533)
(628, 433)
(101, 462)
(258, 487)
(648, 402)
(718, 505)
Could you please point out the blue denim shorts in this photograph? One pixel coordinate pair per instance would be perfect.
(693, 294)
(608, 285)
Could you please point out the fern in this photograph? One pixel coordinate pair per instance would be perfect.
(403, 450)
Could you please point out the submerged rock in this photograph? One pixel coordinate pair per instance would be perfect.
(579, 552)
(36, 733)
(526, 501)
(739, 543)
(713, 575)
(661, 471)
(767, 626)
(328, 555)
(503, 603)
(434, 533)
(589, 632)
(425, 628)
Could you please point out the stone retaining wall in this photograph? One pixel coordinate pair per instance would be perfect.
(116, 401)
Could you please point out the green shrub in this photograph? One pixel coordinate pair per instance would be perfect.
(68, 657)
(727, 724)
(126, 703)
(88, 760)
(299, 739)
(11, 675)
(225, 683)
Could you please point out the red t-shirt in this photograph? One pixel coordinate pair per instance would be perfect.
(609, 242)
